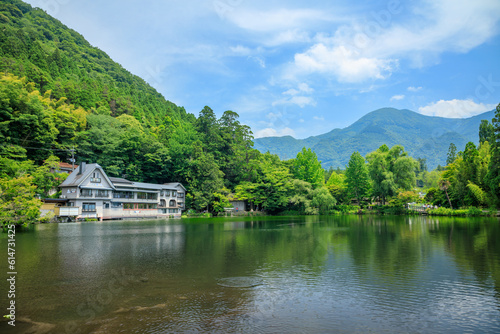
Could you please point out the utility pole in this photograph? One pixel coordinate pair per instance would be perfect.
(73, 157)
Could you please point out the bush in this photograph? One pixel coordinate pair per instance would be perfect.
(474, 212)
(346, 209)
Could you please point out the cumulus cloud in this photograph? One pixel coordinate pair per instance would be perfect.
(316, 118)
(270, 132)
(373, 49)
(397, 97)
(455, 108)
(346, 64)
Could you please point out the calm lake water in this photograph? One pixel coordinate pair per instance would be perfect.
(262, 275)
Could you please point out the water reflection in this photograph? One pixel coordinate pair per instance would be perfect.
(300, 274)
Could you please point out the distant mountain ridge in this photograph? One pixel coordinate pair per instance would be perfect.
(422, 137)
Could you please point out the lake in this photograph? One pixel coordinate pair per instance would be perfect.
(340, 274)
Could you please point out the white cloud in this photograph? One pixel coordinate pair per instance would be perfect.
(414, 89)
(316, 118)
(240, 50)
(301, 88)
(276, 20)
(372, 49)
(455, 108)
(345, 64)
(397, 97)
(270, 132)
(291, 92)
(301, 101)
(289, 36)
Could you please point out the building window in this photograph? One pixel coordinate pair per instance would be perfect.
(167, 192)
(150, 196)
(102, 193)
(172, 203)
(86, 193)
(128, 206)
(123, 194)
(106, 205)
(172, 210)
(88, 207)
(96, 178)
(116, 205)
(174, 193)
(180, 195)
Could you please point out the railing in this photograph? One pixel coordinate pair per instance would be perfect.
(67, 211)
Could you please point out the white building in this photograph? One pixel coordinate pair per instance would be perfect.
(98, 196)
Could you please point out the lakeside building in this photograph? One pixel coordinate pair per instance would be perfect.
(89, 193)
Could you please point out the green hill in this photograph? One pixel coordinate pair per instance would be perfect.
(40, 48)
(422, 136)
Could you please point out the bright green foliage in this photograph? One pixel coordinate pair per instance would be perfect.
(302, 197)
(466, 177)
(477, 192)
(492, 179)
(221, 201)
(309, 201)
(338, 187)
(403, 198)
(391, 170)
(271, 189)
(431, 179)
(47, 177)
(322, 200)
(18, 204)
(306, 167)
(357, 178)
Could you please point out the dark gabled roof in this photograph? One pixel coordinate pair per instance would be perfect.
(120, 180)
(175, 184)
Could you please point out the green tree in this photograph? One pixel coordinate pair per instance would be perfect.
(337, 186)
(452, 154)
(492, 179)
(18, 204)
(306, 167)
(486, 131)
(391, 171)
(357, 178)
(322, 200)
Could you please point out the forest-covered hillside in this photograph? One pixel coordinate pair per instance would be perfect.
(422, 136)
(61, 96)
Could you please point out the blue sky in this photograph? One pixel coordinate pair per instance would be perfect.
(300, 68)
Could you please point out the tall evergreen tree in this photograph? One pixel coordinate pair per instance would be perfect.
(357, 178)
(493, 176)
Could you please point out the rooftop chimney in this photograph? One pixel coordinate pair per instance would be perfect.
(81, 169)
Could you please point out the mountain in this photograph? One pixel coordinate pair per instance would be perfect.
(422, 137)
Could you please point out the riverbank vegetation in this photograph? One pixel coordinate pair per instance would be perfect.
(60, 96)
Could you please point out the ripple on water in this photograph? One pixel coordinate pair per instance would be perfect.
(240, 282)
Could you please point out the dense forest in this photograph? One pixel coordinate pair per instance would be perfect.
(60, 96)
